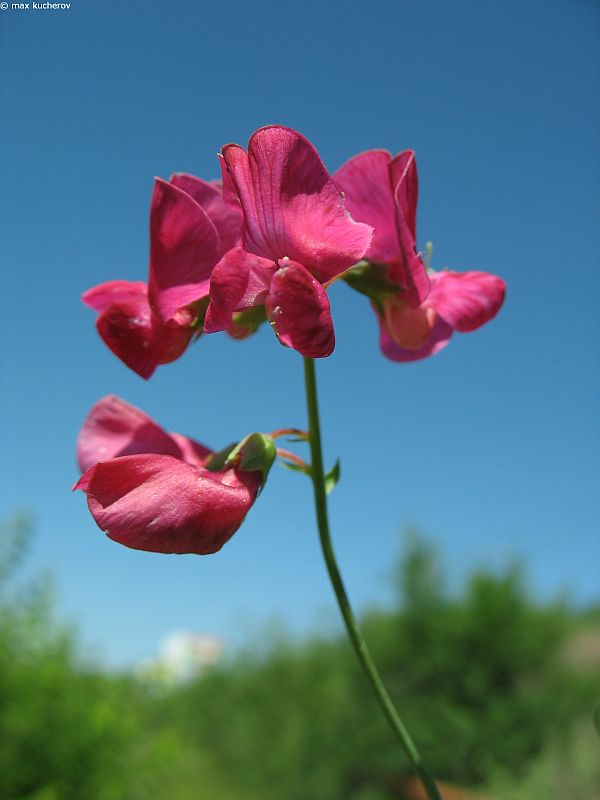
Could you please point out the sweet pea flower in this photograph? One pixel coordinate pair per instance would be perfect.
(164, 492)
(191, 228)
(297, 238)
(417, 309)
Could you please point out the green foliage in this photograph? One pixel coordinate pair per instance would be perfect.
(65, 730)
(563, 770)
(482, 685)
(483, 679)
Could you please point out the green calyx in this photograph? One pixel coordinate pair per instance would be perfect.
(255, 453)
(199, 308)
(372, 280)
(247, 322)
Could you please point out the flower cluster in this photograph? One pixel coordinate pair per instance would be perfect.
(261, 244)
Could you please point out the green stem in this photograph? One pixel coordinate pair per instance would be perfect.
(359, 644)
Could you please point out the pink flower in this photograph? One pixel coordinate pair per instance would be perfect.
(163, 492)
(417, 309)
(191, 227)
(297, 237)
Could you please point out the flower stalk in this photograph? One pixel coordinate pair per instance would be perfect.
(317, 476)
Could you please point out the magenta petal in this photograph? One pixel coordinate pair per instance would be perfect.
(410, 271)
(227, 221)
(240, 280)
(439, 338)
(227, 286)
(102, 296)
(466, 300)
(405, 183)
(139, 338)
(292, 208)
(191, 451)
(228, 190)
(298, 308)
(161, 504)
(184, 247)
(126, 329)
(369, 197)
(115, 428)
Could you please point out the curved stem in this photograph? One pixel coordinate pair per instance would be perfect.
(359, 644)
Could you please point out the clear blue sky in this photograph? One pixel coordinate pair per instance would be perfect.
(491, 447)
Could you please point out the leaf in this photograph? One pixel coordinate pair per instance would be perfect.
(332, 477)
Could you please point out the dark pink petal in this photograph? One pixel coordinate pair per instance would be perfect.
(292, 208)
(105, 294)
(228, 190)
(191, 451)
(438, 339)
(409, 272)
(240, 280)
(161, 504)
(115, 428)
(405, 185)
(298, 308)
(184, 247)
(369, 197)
(466, 300)
(227, 221)
(139, 338)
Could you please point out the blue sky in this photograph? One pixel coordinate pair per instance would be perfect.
(491, 447)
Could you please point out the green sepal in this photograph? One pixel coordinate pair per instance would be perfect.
(372, 280)
(218, 461)
(332, 477)
(248, 321)
(255, 453)
(199, 308)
